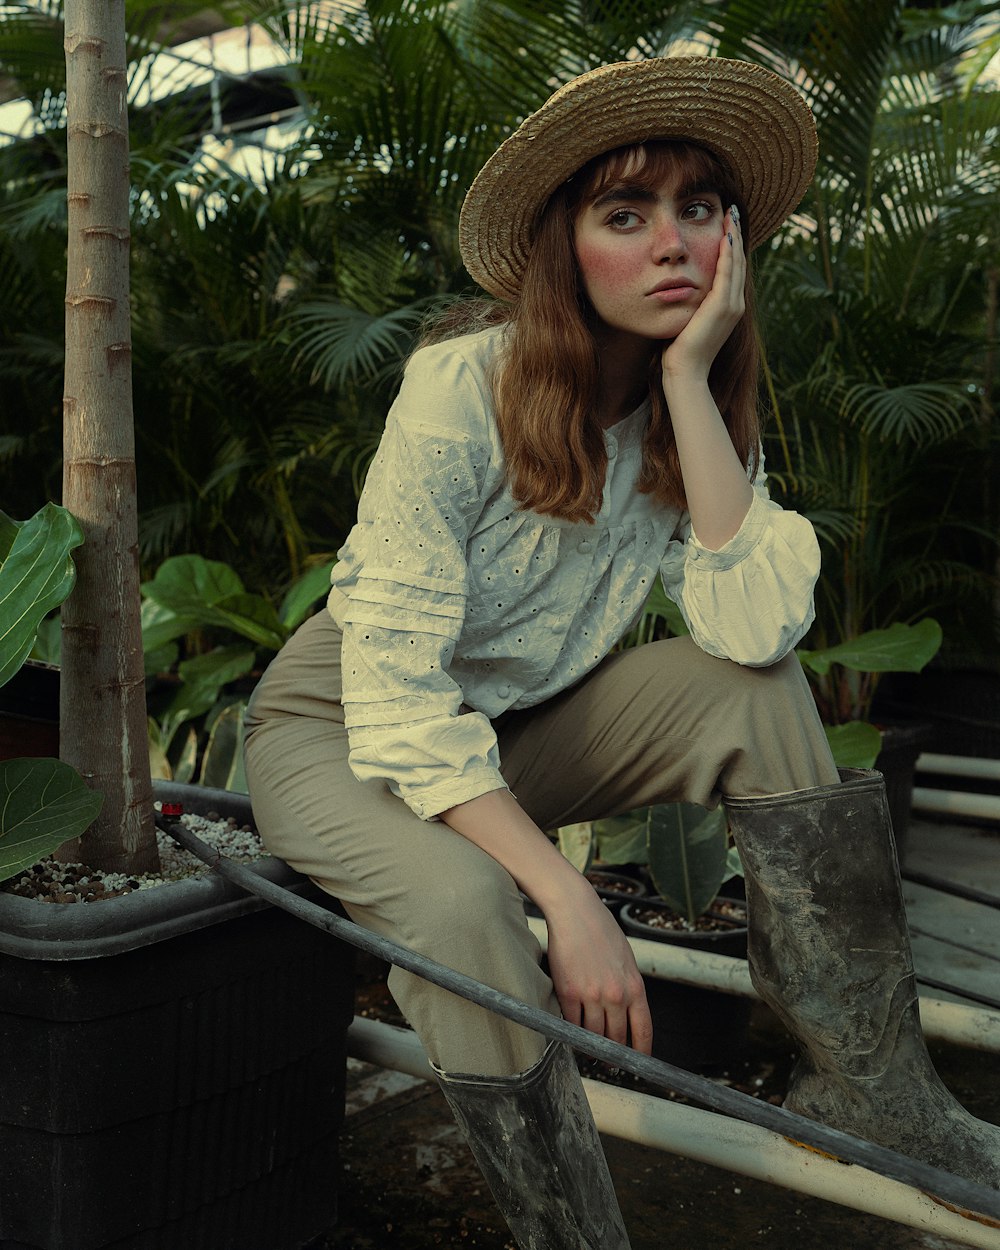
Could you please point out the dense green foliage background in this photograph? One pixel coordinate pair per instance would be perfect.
(271, 313)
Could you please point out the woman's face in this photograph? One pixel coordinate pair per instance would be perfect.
(647, 253)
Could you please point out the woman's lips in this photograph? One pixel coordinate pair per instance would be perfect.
(672, 294)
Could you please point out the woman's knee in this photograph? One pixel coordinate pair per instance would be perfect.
(783, 745)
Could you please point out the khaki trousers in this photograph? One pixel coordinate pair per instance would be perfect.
(660, 723)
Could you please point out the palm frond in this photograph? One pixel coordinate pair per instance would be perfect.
(342, 344)
(922, 413)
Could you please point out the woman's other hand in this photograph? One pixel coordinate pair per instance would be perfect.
(591, 963)
(594, 971)
(692, 352)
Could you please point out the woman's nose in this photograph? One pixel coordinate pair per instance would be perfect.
(669, 245)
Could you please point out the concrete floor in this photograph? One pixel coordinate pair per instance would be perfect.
(409, 1181)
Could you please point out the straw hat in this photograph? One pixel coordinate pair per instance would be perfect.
(757, 123)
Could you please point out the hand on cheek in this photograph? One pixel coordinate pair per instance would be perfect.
(695, 348)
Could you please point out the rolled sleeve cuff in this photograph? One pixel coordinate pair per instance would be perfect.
(432, 764)
(754, 526)
(751, 601)
(428, 801)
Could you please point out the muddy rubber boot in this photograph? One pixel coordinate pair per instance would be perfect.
(829, 951)
(537, 1146)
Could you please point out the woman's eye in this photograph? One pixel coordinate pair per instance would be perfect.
(623, 218)
(700, 210)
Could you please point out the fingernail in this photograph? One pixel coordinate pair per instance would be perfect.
(729, 236)
(734, 214)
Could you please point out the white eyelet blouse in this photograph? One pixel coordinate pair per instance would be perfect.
(452, 598)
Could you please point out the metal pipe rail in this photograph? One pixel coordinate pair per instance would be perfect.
(975, 1201)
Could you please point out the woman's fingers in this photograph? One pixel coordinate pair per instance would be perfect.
(739, 262)
(730, 272)
(596, 979)
(640, 1025)
(619, 1021)
(595, 1018)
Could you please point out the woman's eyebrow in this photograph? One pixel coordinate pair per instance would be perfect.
(625, 191)
(697, 187)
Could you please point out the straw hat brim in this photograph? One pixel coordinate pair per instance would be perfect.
(757, 123)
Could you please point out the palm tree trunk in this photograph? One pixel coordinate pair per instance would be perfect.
(102, 701)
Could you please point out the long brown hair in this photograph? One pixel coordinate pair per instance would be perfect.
(545, 384)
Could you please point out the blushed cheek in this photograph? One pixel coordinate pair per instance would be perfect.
(706, 256)
(600, 268)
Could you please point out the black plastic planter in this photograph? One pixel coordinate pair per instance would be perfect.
(694, 1028)
(173, 1069)
(615, 888)
(897, 762)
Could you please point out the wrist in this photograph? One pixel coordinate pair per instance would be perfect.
(684, 378)
(565, 891)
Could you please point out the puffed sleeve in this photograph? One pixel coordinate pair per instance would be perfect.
(752, 600)
(406, 609)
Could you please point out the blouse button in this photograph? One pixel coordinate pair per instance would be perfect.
(612, 449)
(585, 545)
(503, 691)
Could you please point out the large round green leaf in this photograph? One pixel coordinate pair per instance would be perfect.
(899, 649)
(36, 575)
(190, 590)
(307, 591)
(854, 745)
(42, 804)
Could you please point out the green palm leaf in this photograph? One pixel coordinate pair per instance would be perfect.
(342, 344)
(922, 412)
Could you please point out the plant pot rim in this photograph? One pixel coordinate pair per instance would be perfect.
(30, 929)
(612, 877)
(677, 936)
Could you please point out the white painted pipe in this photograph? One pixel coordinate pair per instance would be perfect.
(958, 766)
(977, 1028)
(956, 803)
(750, 1150)
(717, 1140)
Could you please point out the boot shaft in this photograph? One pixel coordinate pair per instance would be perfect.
(829, 946)
(536, 1144)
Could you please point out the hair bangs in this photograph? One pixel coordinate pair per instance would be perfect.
(647, 166)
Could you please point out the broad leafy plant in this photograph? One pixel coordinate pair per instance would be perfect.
(843, 676)
(202, 604)
(43, 802)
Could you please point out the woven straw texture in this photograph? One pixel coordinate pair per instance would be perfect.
(756, 122)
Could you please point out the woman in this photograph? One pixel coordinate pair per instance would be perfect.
(409, 746)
